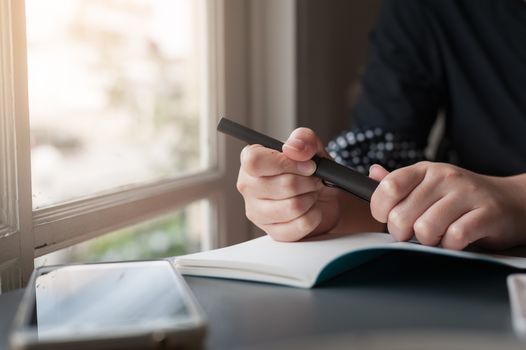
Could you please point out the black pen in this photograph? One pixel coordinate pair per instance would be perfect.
(332, 173)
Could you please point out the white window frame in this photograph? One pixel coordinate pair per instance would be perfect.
(26, 234)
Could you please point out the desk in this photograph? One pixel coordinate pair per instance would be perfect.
(396, 292)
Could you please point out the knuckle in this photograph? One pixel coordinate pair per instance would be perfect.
(399, 226)
(251, 159)
(434, 171)
(397, 217)
(422, 166)
(241, 187)
(425, 164)
(423, 228)
(456, 237)
(391, 187)
(457, 232)
(246, 151)
(246, 184)
(451, 173)
(424, 231)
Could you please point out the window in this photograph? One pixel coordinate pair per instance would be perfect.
(107, 120)
(117, 94)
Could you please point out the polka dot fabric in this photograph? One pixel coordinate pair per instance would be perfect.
(360, 148)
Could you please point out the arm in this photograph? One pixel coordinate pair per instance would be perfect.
(439, 203)
(286, 203)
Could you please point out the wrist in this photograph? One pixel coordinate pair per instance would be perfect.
(519, 181)
(355, 216)
(516, 189)
(516, 186)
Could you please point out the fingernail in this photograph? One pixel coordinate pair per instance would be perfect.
(297, 144)
(372, 167)
(306, 168)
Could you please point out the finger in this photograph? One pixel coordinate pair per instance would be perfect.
(403, 215)
(469, 228)
(296, 229)
(377, 172)
(303, 144)
(257, 161)
(431, 226)
(393, 188)
(278, 187)
(267, 212)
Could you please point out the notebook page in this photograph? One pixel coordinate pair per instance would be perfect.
(263, 259)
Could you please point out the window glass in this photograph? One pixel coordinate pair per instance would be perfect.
(116, 94)
(182, 232)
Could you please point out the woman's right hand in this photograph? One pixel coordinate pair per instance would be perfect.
(281, 197)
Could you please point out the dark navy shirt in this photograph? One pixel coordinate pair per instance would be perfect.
(465, 58)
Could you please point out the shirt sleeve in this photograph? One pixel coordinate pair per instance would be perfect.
(402, 90)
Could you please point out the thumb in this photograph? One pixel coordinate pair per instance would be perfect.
(377, 172)
(303, 144)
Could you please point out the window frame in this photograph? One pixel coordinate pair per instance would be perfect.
(16, 244)
(26, 233)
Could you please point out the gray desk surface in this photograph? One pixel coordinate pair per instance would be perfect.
(405, 292)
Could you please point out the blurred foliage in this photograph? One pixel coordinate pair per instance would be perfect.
(150, 240)
(162, 237)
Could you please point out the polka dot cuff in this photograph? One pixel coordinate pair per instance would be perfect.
(360, 148)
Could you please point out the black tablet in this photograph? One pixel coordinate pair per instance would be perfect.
(123, 305)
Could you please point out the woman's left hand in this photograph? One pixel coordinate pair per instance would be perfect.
(445, 205)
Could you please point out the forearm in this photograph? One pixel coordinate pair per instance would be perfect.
(356, 216)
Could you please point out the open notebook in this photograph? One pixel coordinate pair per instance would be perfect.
(306, 263)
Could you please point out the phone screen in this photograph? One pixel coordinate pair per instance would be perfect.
(108, 298)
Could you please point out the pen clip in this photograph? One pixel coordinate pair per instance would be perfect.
(330, 184)
(317, 159)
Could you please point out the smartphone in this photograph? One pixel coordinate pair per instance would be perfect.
(121, 305)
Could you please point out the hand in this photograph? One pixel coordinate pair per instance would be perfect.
(443, 204)
(280, 196)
